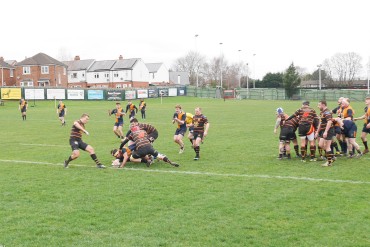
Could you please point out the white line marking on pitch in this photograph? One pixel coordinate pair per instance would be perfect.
(42, 145)
(207, 173)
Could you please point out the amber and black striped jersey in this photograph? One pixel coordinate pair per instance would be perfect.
(283, 117)
(147, 127)
(199, 122)
(306, 115)
(76, 133)
(325, 117)
(292, 123)
(140, 138)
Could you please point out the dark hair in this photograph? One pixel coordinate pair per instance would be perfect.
(323, 102)
(134, 120)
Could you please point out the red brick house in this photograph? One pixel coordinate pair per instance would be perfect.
(41, 70)
(7, 73)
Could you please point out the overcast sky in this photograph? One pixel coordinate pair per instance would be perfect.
(279, 32)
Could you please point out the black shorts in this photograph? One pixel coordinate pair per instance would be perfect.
(305, 129)
(198, 134)
(330, 135)
(365, 130)
(77, 144)
(143, 151)
(287, 134)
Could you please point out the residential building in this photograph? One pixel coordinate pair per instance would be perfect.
(41, 70)
(158, 73)
(7, 73)
(77, 72)
(119, 73)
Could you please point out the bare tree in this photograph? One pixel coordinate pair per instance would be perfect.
(343, 67)
(192, 62)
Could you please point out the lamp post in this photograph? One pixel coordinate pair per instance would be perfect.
(221, 65)
(254, 71)
(196, 52)
(240, 77)
(196, 36)
(319, 66)
(368, 72)
(247, 82)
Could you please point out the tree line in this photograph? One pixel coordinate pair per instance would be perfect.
(342, 69)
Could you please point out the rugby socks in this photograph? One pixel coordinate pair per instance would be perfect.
(312, 151)
(197, 150)
(329, 157)
(303, 153)
(69, 159)
(93, 156)
(335, 146)
(296, 150)
(365, 144)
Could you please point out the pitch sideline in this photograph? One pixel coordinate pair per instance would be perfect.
(205, 173)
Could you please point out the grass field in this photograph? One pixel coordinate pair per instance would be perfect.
(237, 194)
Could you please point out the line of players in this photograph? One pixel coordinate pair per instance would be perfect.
(325, 128)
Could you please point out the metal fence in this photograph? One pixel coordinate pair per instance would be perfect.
(280, 94)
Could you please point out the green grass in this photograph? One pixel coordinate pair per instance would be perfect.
(238, 194)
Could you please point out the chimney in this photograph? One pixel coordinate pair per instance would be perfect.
(77, 58)
(1, 59)
(120, 57)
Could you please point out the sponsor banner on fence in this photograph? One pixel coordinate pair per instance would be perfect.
(75, 94)
(172, 92)
(163, 92)
(55, 93)
(95, 94)
(35, 93)
(152, 93)
(114, 95)
(130, 94)
(11, 93)
(142, 94)
(181, 92)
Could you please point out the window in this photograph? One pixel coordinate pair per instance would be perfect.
(26, 83)
(106, 75)
(74, 75)
(26, 70)
(96, 75)
(44, 69)
(118, 85)
(115, 74)
(64, 71)
(11, 72)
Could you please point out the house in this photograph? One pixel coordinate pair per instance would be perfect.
(179, 78)
(158, 73)
(119, 73)
(41, 70)
(7, 76)
(77, 71)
